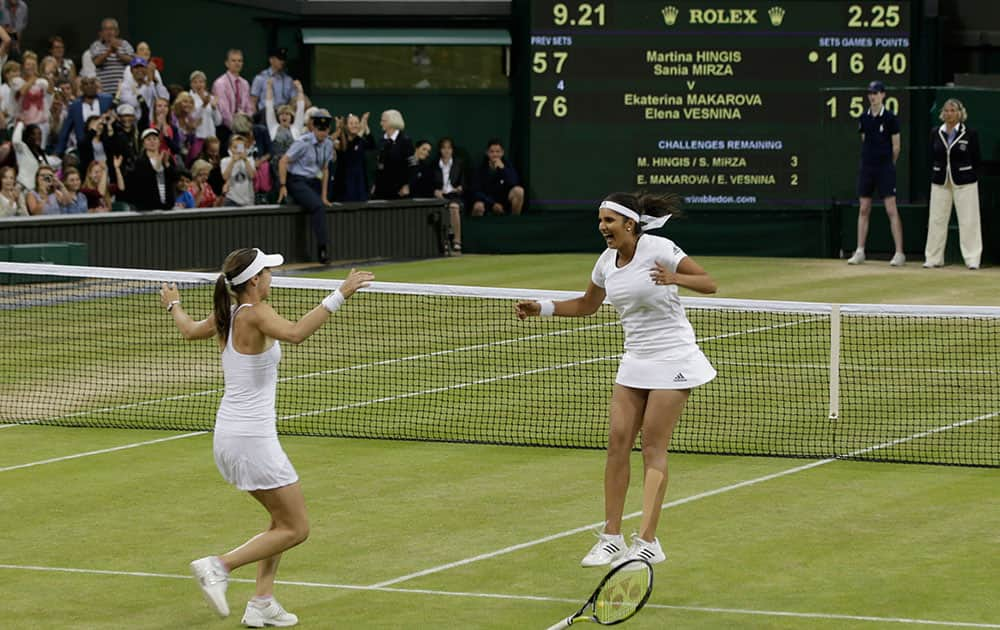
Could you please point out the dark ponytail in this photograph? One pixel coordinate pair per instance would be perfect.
(223, 307)
(654, 205)
(236, 262)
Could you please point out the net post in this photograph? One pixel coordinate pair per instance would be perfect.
(834, 361)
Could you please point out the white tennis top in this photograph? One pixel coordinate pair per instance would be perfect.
(652, 317)
(247, 408)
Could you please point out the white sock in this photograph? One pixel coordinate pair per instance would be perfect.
(262, 602)
(219, 565)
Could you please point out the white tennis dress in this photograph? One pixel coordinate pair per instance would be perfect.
(246, 447)
(660, 347)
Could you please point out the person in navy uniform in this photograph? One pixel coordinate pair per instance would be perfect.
(955, 158)
(304, 174)
(879, 129)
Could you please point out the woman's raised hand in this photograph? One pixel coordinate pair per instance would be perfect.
(356, 280)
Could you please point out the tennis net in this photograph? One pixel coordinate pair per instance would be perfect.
(86, 346)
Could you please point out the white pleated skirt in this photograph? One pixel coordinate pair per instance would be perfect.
(691, 371)
(253, 463)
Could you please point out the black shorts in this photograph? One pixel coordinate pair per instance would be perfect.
(881, 178)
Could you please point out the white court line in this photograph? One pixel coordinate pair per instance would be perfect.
(591, 526)
(445, 388)
(761, 329)
(695, 497)
(851, 367)
(101, 451)
(947, 427)
(532, 598)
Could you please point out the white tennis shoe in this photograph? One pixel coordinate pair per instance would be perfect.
(213, 579)
(609, 548)
(271, 615)
(857, 258)
(898, 260)
(651, 552)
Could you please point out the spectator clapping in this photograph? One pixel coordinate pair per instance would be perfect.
(352, 140)
(96, 187)
(110, 55)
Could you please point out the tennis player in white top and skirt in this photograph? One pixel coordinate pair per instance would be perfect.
(640, 274)
(245, 442)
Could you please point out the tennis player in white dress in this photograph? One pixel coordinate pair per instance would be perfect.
(639, 273)
(245, 443)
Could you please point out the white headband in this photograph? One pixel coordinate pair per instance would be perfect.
(646, 221)
(260, 262)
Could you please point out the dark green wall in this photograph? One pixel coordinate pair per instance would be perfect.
(801, 233)
(195, 35)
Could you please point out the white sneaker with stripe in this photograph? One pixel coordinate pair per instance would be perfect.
(213, 579)
(271, 615)
(651, 552)
(608, 549)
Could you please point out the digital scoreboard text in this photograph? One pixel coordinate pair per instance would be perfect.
(745, 104)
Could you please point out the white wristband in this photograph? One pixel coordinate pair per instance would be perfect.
(547, 308)
(333, 301)
(172, 304)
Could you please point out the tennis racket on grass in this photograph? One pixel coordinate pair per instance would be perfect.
(619, 596)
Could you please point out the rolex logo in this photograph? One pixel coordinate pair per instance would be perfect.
(777, 15)
(670, 14)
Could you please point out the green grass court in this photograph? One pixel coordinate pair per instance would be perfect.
(100, 523)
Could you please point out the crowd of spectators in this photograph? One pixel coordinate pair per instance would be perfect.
(110, 134)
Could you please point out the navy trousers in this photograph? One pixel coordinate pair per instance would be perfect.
(305, 191)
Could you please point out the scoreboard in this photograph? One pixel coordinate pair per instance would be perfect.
(746, 104)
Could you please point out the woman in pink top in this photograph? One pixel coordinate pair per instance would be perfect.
(33, 95)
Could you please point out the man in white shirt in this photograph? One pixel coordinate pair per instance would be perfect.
(143, 85)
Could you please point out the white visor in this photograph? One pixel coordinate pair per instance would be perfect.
(261, 262)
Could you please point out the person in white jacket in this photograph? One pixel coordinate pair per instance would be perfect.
(27, 141)
(143, 83)
(205, 106)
